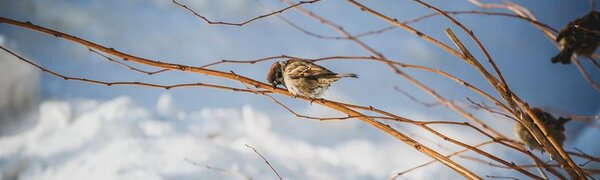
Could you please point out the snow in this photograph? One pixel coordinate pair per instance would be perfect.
(18, 90)
(118, 139)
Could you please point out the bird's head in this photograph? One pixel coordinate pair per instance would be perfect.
(275, 74)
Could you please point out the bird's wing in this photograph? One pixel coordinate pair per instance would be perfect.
(303, 69)
(297, 70)
(316, 70)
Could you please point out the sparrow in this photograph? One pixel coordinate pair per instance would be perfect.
(581, 37)
(303, 78)
(555, 127)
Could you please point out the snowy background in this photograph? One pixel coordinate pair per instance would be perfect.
(55, 129)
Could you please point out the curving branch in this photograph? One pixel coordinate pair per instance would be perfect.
(413, 98)
(585, 74)
(126, 83)
(127, 66)
(244, 22)
(490, 110)
(418, 19)
(266, 161)
(218, 169)
(593, 60)
(397, 175)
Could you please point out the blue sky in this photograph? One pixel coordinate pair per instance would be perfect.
(157, 29)
(162, 31)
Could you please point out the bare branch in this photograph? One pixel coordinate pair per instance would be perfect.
(500, 177)
(490, 110)
(585, 75)
(433, 161)
(106, 83)
(594, 62)
(426, 16)
(498, 140)
(225, 61)
(337, 28)
(413, 20)
(426, 104)
(585, 156)
(587, 171)
(405, 27)
(244, 22)
(264, 159)
(128, 66)
(217, 169)
(431, 104)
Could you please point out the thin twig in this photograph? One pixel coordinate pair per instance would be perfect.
(490, 110)
(431, 104)
(225, 61)
(500, 177)
(426, 104)
(433, 161)
(264, 159)
(337, 28)
(498, 140)
(426, 16)
(217, 169)
(587, 156)
(244, 22)
(585, 74)
(593, 60)
(586, 171)
(128, 66)
(115, 83)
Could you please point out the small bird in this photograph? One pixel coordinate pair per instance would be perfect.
(580, 37)
(303, 78)
(555, 127)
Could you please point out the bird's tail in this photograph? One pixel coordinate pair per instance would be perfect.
(564, 57)
(352, 75)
